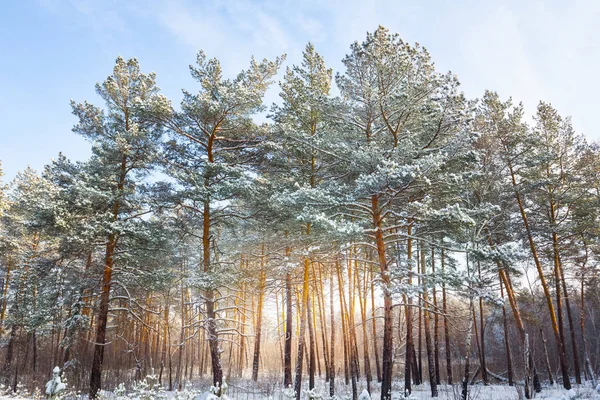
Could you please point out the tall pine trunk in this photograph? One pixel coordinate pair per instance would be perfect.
(428, 344)
(388, 321)
(287, 354)
(258, 327)
(446, 328)
(301, 335)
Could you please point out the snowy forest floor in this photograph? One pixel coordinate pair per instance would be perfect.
(266, 390)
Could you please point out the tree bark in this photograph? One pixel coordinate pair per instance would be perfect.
(258, 326)
(506, 341)
(409, 357)
(287, 355)
(332, 345)
(428, 344)
(304, 305)
(388, 321)
(436, 345)
(446, 328)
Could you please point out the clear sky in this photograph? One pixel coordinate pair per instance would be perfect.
(55, 50)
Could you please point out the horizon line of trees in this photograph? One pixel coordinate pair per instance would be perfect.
(398, 230)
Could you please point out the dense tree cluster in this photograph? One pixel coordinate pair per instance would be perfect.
(396, 231)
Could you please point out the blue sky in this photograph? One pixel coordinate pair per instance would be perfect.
(55, 50)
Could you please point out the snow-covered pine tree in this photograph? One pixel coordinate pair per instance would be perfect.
(302, 125)
(209, 155)
(511, 138)
(404, 123)
(124, 150)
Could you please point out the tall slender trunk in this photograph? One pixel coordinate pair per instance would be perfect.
(96, 372)
(8, 357)
(100, 341)
(242, 349)
(588, 364)
(6, 285)
(363, 313)
(323, 325)
(311, 345)
(374, 328)
(574, 347)
(546, 358)
(209, 300)
(287, 354)
(181, 344)
(409, 361)
(428, 345)
(258, 327)
(332, 345)
(559, 298)
(388, 318)
(506, 341)
(436, 345)
(344, 327)
(165, 343)
(419, 374)
(446, 328)
(468, 340)
(352, 356)
(304, 305)
(484, 375)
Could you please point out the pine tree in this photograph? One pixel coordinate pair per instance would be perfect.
(212, 145)
(124, 146)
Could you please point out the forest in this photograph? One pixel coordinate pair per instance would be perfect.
(373, 232)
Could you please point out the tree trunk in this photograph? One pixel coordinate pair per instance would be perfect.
(258, 327)
(311, 345)
(436, 345)
(96, 372)
(482, 333)
(409, 357)
(287, 355)
(6, 368)
(100, 341)
(165, 344)
(374, 328)
(468, 340)
(304, 305)
(344, 325)
(428, 346)
(506, 341)
(575, 348)
(388, 321)
(546, 358)
(363, 312)
(332, 345)
(446, 328)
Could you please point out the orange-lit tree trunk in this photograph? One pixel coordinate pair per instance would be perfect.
(332, 343)
(388, 318)
(301, 335)
(258, 327)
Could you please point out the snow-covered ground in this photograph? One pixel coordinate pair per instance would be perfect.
(249, 391)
